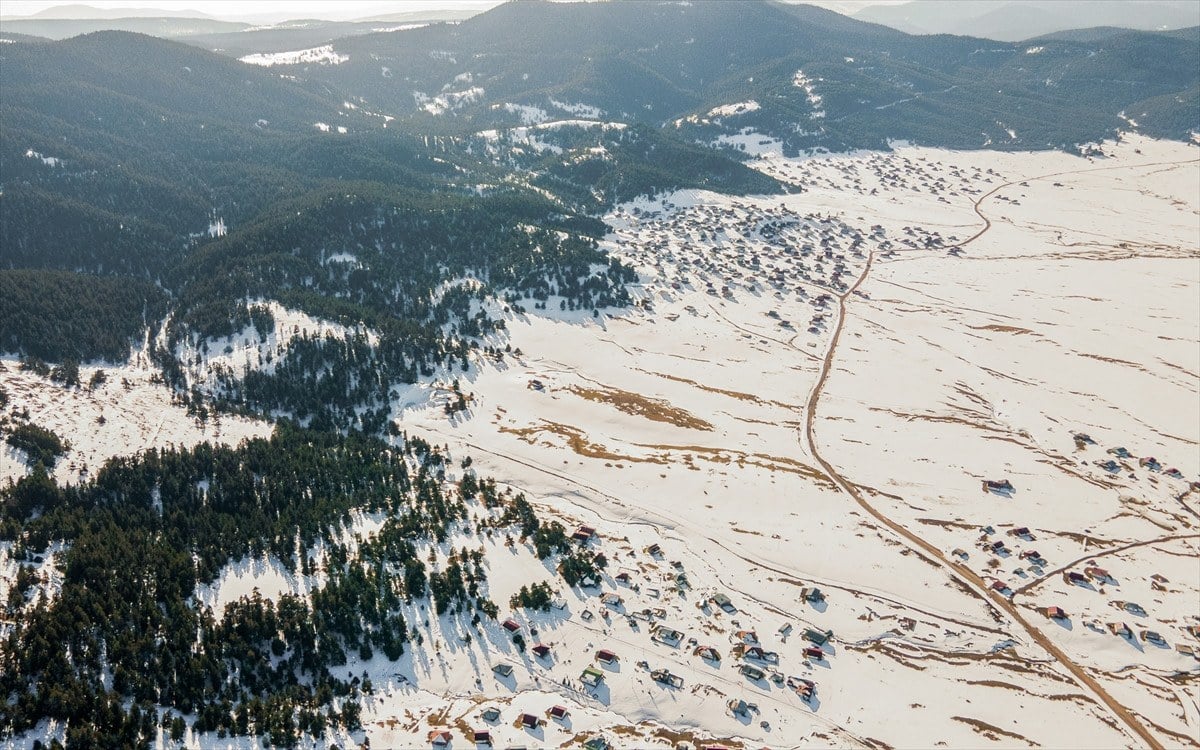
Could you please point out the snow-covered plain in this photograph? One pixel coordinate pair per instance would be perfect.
(131, 411)
(324, 55)
(906, 326)
(683, 422)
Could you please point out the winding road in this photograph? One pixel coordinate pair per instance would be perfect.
(968, 578)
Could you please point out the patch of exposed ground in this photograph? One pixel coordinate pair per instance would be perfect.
(654, 409)
(732, 394)
(993, 732)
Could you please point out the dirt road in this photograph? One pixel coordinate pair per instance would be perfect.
(968, 578)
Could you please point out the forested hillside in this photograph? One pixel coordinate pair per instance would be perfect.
(308, 241)
(210, 183)
(818, 78)
(127, 632)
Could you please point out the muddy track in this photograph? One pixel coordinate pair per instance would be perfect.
(968, 578)
(1053, 573)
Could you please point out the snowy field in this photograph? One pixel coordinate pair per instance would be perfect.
(700, 421)
(800, 414)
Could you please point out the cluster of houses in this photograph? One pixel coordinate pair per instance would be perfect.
(743, 246)
(1094, 577)
(1121, 460)
(989, 541)
(745, 654)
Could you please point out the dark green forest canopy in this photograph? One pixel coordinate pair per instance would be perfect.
(147, 530)
(57, 315)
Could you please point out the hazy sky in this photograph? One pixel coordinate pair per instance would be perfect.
(328, 9)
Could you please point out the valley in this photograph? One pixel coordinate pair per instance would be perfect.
(902, 329)
(598, 375)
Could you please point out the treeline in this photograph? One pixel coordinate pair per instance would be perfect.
(129, 631)
(58, 316)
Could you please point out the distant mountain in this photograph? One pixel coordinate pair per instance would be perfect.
(283, 37)
(124, 154)
(815, 78)
(161, 26)
(1006, 20)
(421, 16)
(81, 11)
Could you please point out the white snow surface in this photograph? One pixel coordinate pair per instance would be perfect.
(731, 110)
(683, 422)
(205, 360)
(950, 369)
(138, 413)
(324, 55)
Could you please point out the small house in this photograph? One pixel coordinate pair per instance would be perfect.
(724, 602)
(1151, 636)
(665, 677)
(583, 534)
(752, 672)
(440, 737)
(483, 737)
(530, 721)
(596, 743)
(491, 714)
(1120, 628)
(1193, 630)
(591, 676)
(623, 577)
(1097, 574)
(738, 707)
(1022, 532)
(1074, 578)
(818, 637)
(804, 688)
(1000, 487)
(1150, 463)
(1000, 587)
(1120, 453)
(1132, 608)
(559, 712)
(541, 650)
(667, 636)
(1188, 649)
(654, 550)
(503, 670)
(756, 652)
(812, 594)
(511, 625)
(1056, 613)
(746, 636)
(612, 600)
(707, 652)
(604, 656)
(814, 652)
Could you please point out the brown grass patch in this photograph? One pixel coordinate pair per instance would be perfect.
(577, 441)
(654, 409)
(992, 731)
(732, 394)
(1001, 329)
